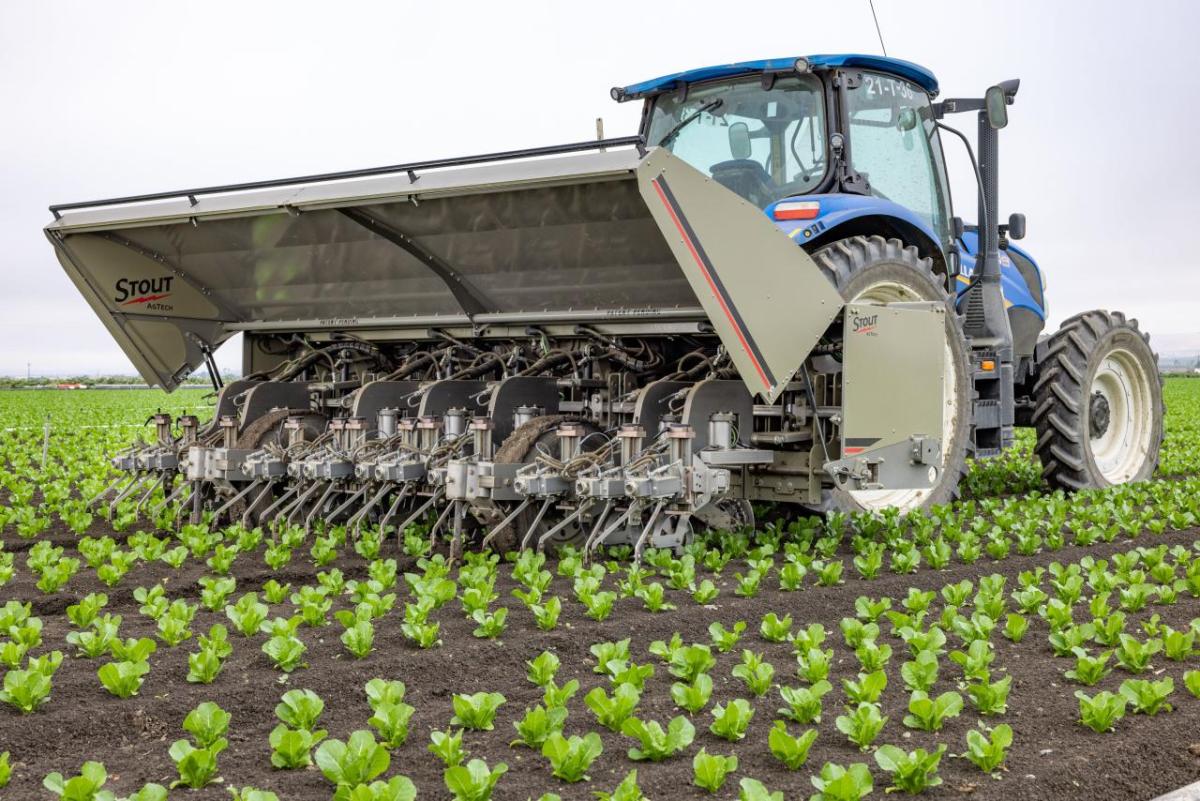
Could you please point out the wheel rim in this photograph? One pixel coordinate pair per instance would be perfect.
(886, 292)
(1120, 416)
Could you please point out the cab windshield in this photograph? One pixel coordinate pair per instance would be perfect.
(763, 144)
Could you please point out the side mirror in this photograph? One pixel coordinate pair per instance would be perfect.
(739, 140)
(1016, 226)
(996, 103)
(907, 120)
(957, 228)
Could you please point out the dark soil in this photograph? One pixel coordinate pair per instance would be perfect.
(1053, 756)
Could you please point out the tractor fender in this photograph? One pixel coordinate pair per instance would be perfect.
(840, 216)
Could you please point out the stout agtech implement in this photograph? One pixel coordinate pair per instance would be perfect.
(763, 296)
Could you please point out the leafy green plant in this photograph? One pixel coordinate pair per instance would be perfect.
(390, 720)
(292, 748)
(196, 766)
(710, 770)
(912, 771)
(814, 665)
(838, 783)
(922, 672)
(990, 698)
(300, 709)
(538, 724)
(546, 614)
(474, 781)
(447, 746)
(570, 757)
(285, 651)
(861, 724)
(248, 614)
(755, 672)
(84, 787)
(774, 628)
(988, 748)
(929, 714)
(5, 769)
(690, 661)
(1191, 680)
(731, 720)
(804, 703)
(655, 743)
(791, 751)
(1134, 655)
(1148, 697)
(123, 679)
(477, 711)
(612, 712)
(356, 761)
(695, 696)
(1101, 711)
(724, 639)
(542, 669)
(1089, 670)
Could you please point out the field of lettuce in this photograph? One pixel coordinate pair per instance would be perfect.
(1018, 644)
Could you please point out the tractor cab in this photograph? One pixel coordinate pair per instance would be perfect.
(811, 128)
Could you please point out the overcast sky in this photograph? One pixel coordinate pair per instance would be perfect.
(114, 98)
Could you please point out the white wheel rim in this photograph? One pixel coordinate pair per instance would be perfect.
(1120, 391)
(892, 292)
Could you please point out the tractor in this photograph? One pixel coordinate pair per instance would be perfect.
(764, 296)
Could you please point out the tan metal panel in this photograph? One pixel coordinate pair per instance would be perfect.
(893, 375)
(767, 300)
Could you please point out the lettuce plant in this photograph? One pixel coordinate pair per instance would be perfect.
(791, 750)
(474, 781)
(726, 639)
(1148, 697)
(838, 783)
(570, 757)
(710, 770)
(929, 714)
(804, 703)
(477, 711)
(655, 744)
(538, 724)
(987, 748)
(912, 771)
(356, 761)
(612, 712)
(861, 724)
(542, 669)
(731, 720)
(447, 746)
(291, 748)
(123, 679)
(695, 696)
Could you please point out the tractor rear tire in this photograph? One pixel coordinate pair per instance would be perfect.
(1098, 405)
(872, 268)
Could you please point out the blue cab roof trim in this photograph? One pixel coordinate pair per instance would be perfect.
(895, 66)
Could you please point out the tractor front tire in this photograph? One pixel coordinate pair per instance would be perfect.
(878, 270)
(1098, 405)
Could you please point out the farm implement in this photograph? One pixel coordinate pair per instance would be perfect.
(762, 296)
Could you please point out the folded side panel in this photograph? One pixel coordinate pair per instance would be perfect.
(767, 300)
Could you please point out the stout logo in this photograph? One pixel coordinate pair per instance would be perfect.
(132, 291)
(864, 323)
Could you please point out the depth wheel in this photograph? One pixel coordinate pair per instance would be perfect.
(1098, 403)
(878, 270)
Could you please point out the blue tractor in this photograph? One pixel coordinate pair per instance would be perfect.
(844, 153)
(762, 296)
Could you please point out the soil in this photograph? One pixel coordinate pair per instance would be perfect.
(1052, 757)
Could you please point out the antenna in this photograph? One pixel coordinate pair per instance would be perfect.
(877, 30)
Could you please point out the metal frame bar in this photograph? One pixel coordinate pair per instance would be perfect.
(411, 169)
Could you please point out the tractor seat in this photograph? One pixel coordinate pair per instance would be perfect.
(747, 178)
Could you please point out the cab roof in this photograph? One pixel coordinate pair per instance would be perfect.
(898, 67)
